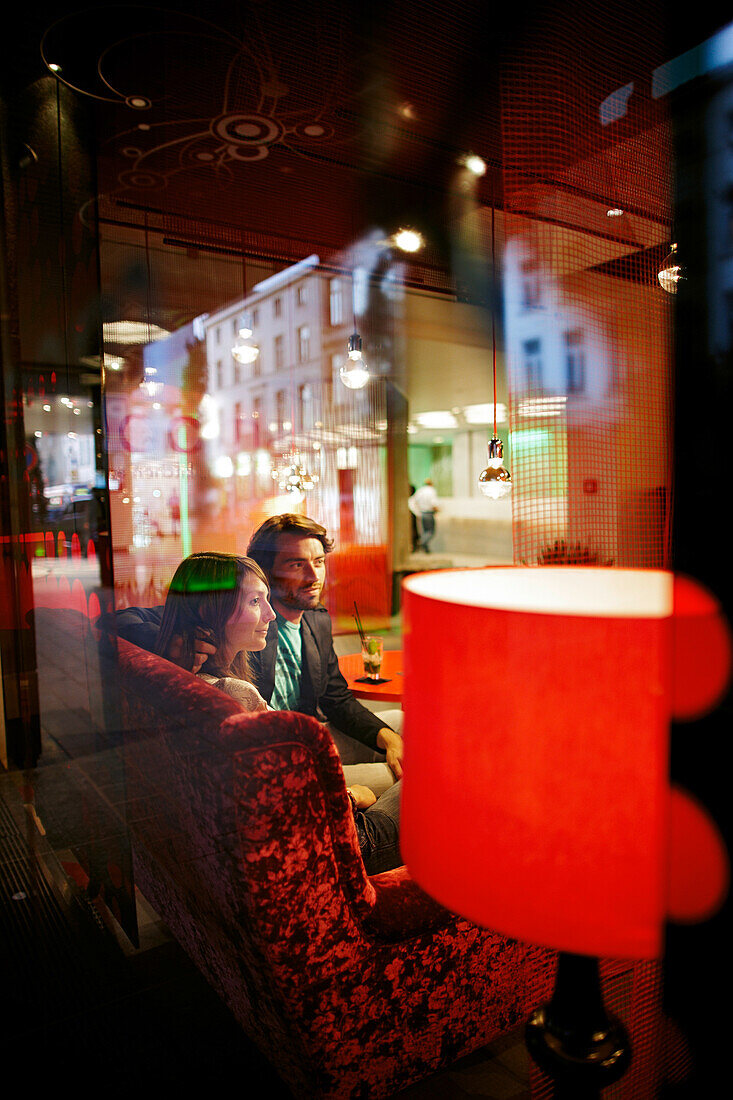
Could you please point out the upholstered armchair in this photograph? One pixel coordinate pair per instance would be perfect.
(244, 842)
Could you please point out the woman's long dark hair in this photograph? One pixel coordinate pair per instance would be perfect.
(206, 591)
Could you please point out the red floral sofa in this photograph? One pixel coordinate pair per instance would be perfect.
(244, 842)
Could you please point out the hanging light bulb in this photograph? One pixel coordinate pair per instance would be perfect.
(671, 271)
(355, 373)
(495, 481)
(148, 385)
(243, 352)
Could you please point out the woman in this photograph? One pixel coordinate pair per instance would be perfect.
(224, 599)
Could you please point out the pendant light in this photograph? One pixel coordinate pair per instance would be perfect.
(354, 373)
(495, 481)
(671, 271)
(242, 351)
(292, 475)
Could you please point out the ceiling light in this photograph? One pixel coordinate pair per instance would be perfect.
(484, 414)
(355, 373)
(132, 332)
(440, 418)
(494, 481)
(475, 164)
(408, 240)
(245, 353)
(671, 271)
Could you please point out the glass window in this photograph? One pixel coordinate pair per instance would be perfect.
(279, 353)
(574, 361)
(280, 402)
(336, 302)
(531, 294)
(532, 359)
(304, 337)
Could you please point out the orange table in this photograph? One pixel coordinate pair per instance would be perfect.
(351, 667)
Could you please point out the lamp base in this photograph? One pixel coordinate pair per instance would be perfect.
(573, 1039)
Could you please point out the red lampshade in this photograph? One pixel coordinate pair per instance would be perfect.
(537, 706)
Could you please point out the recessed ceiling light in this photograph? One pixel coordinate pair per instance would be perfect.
(408, 240)
(475, 164)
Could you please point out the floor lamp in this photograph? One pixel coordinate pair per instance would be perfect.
(538, 702)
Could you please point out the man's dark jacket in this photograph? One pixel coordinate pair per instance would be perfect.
(323, 690)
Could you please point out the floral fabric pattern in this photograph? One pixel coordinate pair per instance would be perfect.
(244, 842)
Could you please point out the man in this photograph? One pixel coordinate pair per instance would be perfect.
(424, 504)
(298, 669)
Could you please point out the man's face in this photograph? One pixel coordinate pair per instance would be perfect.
(298, 573)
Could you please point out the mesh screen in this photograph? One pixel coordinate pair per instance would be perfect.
(587, 176)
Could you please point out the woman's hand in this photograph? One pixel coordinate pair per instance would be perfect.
(363, 796)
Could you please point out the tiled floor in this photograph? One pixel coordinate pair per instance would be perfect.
(85, 1004)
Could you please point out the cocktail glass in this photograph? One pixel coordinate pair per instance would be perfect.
(371, 653)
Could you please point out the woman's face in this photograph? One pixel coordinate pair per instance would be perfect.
(247, 629)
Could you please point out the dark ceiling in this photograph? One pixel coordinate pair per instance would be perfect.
(298, 120)
(280, 128)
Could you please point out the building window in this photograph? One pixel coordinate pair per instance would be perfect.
(217, 335)
(279, 353)
(219, 374)
(305, 406)
(301, 294)
(237, 373)
(304, 339)
(574, 361)
(280, 398)
(336, 302)
(256, 422)
(277, 307)
(532, 360)
(337, 362)
(531, 296)
(237, 424)
(255, 318)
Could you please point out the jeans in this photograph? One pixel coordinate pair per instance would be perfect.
(378, 829)
(362, 764)
(427, 524)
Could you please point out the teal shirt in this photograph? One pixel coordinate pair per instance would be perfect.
(286, 693)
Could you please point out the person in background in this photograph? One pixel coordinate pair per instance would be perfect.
(424, 504)
(414, 528)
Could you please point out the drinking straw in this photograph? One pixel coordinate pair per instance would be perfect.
(358, 623)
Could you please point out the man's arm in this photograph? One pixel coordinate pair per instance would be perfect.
(393, 746)
(340, 706)
(139, 625)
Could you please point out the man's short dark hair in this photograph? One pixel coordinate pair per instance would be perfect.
(264, 542)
